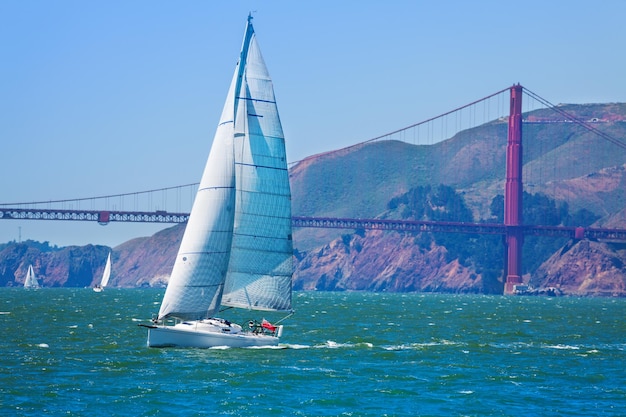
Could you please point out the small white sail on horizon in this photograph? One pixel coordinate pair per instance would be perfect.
(31, 279)
(106, 275)
(237, 247)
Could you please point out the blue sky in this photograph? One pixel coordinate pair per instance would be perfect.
(100, 98)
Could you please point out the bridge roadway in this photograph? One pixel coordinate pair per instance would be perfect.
(104, 217)
(457, 227)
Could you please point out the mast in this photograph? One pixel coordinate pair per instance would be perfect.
(197, 281)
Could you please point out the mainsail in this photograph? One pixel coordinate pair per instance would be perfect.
(107, 272)
(237, 247)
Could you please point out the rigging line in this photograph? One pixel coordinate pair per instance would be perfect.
(102, 196)
(292, 312)
(576, 120)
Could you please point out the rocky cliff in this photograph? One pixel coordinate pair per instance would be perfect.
(384, 261)
(145, 261)
(585, 268)
(72, 266)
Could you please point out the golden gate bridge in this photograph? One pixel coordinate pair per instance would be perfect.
(512, 229)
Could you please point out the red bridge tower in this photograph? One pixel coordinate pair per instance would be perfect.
(514, 237)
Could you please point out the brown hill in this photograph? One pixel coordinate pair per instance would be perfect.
(147, 261)
(562, 160)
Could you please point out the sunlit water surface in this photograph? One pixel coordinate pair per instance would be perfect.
(79, 353)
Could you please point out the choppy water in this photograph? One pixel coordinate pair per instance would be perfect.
(78, 353)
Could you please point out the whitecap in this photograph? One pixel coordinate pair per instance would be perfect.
(271, 347)
(292, 346)
(43, 345)
(395, 347)
(566, 347)
(334, 345)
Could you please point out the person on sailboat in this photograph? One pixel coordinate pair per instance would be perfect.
(255, 327)
(263, 327)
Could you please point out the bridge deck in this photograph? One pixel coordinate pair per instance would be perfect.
(104, 217)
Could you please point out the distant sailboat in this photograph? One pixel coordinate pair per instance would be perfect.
(31, 279)
(237, 248)
(105, 276)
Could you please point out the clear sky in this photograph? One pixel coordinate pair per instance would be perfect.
(108, 97)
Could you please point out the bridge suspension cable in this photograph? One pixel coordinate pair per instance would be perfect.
(71, 200)
(575, 119)
(414, 125)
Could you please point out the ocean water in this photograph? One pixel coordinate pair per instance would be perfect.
(73, 352)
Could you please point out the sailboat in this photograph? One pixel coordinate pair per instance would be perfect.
(237, 248)
(31, 280)
(105, 276)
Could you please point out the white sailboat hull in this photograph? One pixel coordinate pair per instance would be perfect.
(199, 335)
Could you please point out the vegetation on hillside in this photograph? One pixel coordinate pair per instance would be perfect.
(40, 246)
(485, 252)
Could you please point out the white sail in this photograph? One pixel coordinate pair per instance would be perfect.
(107, 273)
(31, 279)
(244, 191)
(260, 268)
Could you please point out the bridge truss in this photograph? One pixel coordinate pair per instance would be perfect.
(414, 226)
(102, 217)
